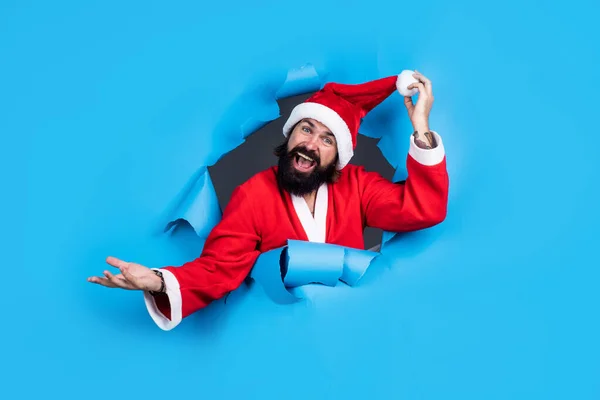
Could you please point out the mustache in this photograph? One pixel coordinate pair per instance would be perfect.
(303, 150)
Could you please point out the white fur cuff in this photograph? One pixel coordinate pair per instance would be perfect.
(427, 156)
(174, 294)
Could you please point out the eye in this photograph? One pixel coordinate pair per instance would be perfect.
(328, 140)
(305, 129)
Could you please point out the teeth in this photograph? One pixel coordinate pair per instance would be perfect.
(306, 157)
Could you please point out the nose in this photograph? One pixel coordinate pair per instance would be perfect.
(311, 144)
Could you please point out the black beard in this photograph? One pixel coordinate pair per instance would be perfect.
(299, 183)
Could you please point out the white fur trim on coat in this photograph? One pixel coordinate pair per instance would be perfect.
(427, 156)
(174, 294)
(329, 118)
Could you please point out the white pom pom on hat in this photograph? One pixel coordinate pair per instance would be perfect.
(405, 79)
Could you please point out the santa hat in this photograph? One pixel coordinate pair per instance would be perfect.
(341, 108)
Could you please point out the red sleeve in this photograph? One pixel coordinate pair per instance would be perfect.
(227, 257)
(417, 203)
(163, 305)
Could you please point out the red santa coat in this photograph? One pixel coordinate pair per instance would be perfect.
(260, 217)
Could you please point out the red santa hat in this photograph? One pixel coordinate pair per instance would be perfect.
(341, 108)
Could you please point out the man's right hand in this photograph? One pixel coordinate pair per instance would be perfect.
(132, 277)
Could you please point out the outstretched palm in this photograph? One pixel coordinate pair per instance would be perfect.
(132, 277)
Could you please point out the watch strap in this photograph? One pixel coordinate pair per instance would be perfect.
(162, 282)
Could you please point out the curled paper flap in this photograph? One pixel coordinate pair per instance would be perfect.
(356, 263)
(282, 271)
(386, 237)
(308, 262)
(325, 263)
(200, 208)
(267, 272)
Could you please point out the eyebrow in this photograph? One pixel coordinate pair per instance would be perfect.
(313, 125)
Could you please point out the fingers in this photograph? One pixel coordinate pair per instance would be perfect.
(101, 281)
(424, 80)
(425, 91)
(417, 85)
(126, 278)
(117, 280)
(112, 281)
(115, 262)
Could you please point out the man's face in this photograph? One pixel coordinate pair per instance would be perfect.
(310, 159)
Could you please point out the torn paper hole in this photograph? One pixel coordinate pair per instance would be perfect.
(298, 263)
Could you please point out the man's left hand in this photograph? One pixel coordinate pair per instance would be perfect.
(419, 113)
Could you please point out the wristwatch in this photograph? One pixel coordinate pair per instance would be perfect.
(162, 283)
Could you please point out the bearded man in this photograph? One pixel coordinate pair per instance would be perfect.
(312, 194)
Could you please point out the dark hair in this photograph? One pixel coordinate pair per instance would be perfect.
(281, 149)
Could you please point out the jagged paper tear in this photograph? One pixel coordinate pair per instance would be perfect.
(300, 80)
(200, 207)
(299, 263)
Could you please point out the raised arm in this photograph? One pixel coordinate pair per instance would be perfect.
(420, 201)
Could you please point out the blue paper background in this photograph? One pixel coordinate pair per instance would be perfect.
(108, 109)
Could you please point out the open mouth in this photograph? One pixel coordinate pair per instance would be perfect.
(304, 163)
